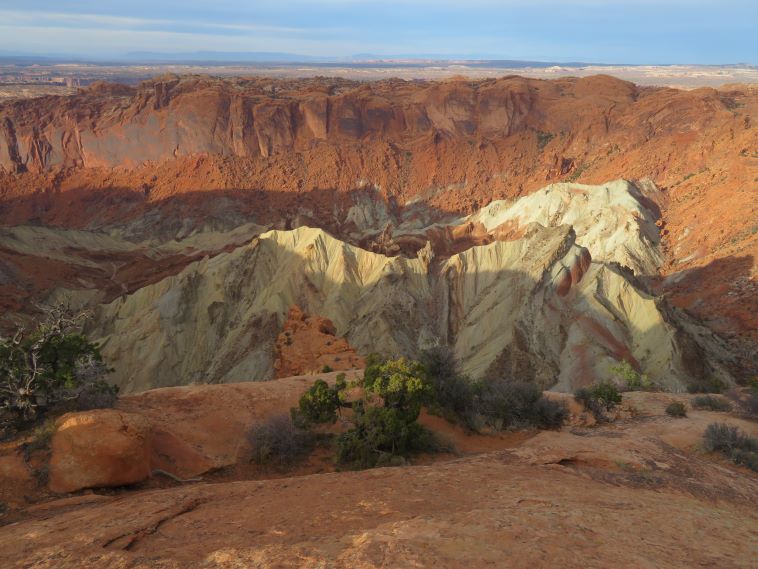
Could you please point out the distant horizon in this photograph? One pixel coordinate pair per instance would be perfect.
(221, 58)
(594, 32)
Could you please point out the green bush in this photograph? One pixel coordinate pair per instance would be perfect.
(385, 434)
(402, 384)
(379, 434)
(278, 442)
(598, 398)
(318, 405)
(53, 367)
(634, 380)
(711, 403)
(676, 409)
(383, 424)
(732, 443)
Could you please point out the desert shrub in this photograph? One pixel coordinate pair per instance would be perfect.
(495, 403)
(550, 414)
(97, 395)
(326, 369)
(726, 438)
(598, 398)
(318, 405)
(633, 380)
(711, 403)
(745, 458)
(511, 403)
(502, 404)
(676, 409)
(751, 402)
(452, 392)
(733, 443)
(54, 366)
(278, 442)
(707, 385)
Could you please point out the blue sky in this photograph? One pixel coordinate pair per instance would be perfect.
(610, 31)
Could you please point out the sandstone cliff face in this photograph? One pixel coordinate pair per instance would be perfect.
(160, 120)
(130, 186)
(114, 154)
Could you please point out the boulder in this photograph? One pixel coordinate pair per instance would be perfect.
(99, 448)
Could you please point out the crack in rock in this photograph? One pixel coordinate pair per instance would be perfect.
(127, 541)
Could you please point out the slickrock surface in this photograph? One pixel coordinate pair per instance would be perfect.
(638, 493)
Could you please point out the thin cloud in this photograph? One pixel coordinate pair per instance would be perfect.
(61, 19)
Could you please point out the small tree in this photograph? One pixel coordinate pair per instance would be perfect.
(378, 435)
(402, 384)
(318, 405)
(53, 365)
(383, 422)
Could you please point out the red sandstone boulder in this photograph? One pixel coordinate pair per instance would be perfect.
(99, 448)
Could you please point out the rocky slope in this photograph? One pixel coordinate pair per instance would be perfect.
(542, 287)
(117, 194)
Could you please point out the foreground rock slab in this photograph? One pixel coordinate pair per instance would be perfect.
(654, 506)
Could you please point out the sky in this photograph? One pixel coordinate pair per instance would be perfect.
(595, 31)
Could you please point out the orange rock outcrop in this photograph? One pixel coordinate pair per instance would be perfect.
(309, 344)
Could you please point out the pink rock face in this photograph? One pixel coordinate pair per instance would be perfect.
(99, 448)
(562, 282)
(573, 272)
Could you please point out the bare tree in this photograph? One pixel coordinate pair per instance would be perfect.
(49, 365)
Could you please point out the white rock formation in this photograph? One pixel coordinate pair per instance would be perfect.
(535, 307)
